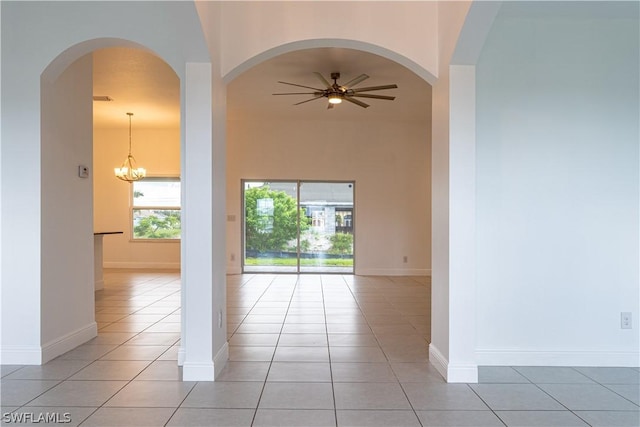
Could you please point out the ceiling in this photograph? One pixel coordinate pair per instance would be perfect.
(138, 82)
(143, 84)
(250, 94)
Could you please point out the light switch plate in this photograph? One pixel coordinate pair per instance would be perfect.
(83, 171)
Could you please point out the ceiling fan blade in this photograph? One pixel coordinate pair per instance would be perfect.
(355, 101)
(365, 89)
(312, 99)
(322, 79)
(365, 95)
(298, 93)
(308, 87)
(355, 81)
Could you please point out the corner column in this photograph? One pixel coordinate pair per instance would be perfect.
(196, 351)
(462, 225)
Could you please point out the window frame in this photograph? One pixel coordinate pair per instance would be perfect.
(132, 208)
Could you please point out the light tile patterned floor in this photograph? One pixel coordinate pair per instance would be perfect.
(310, 350)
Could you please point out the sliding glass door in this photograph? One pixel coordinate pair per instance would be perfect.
(326, 242)
(271, 214)
(298, 227)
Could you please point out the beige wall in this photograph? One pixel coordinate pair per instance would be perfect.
(389, 161)
(157, 150)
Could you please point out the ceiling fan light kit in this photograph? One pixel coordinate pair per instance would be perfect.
(335, 99)
(336, 93)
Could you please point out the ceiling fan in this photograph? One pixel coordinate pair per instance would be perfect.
(336, 93)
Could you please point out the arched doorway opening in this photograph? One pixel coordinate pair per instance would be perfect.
(386, 152)
(385, 148)
(37, 323)
(67, 132)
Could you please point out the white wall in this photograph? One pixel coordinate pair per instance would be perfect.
(158, 151)
(67, 257)
(389, 161)
(557, 187)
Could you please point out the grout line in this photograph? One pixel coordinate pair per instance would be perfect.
(326, 330)
(128, 382)
(180, 404)
(605, 385)
(613, 391)
(151, 285)
(487, 405)
(264, 385)
(396, 376)
(252, 307)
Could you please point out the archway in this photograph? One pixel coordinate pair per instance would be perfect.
(40, 35)
(64, 25)
(385, 148)
(67, 199)
(349, 138)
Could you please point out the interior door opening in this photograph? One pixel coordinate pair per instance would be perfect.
(298, 227)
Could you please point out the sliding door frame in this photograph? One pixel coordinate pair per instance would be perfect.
(299, 183)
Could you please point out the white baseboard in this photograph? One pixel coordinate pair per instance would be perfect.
(61, 345)
(20, 355)
(438, 360)
(143, 265)
(393, 271)
(220, 361)
(459, 373)
(486, 357)
(198, 371)
(181, 356)
(452, 373)
(39, 355)
(207, 371)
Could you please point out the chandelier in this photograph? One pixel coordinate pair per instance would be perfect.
(129, 171)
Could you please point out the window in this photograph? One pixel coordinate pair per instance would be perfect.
(155, 208)
(317, 219)
(264, 209)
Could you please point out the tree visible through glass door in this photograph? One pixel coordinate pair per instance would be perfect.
(298, 227)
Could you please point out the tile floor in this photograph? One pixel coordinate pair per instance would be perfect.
(311, 350)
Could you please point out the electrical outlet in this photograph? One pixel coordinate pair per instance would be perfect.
(405, 259)
(219, 318)
(625, 320)
(233, 257)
